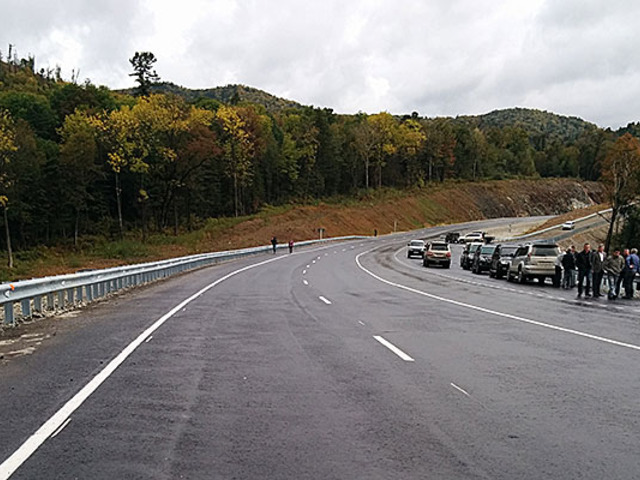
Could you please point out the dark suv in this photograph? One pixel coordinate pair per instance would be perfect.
(501, 259)
(469, 250)
(482, 258)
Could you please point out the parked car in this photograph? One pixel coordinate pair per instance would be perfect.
(570, 225)
(469, 250)
(534, 260)
(416, 247)
(437, 253)
(452, 237)
(482, 258)
(473, 237)
(501, 259)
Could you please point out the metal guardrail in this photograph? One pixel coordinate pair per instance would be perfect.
(545, 230)
(50, 294)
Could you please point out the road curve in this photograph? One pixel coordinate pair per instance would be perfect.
(343, 361)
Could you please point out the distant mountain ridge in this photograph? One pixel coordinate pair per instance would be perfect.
(536, 122)
(230, 94)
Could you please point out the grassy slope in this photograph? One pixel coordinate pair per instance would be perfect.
(383, 210)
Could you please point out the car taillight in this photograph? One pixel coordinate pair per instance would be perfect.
(448, 254)
(429, 253)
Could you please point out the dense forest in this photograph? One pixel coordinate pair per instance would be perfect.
(76, 158)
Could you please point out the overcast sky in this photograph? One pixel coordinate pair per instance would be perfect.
(436, 57)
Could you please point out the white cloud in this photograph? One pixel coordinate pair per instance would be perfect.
(437, 57)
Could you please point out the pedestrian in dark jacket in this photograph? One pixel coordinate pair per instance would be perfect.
(613, 266)
(633, 265)
(625, 253)
(597, 260)
(569, 265)
(274, 243)
(583, 264)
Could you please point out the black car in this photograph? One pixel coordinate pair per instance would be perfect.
(466, 258)
(501, 259)
(452, 237)
(482, 258)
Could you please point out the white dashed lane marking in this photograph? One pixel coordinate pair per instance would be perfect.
(393, 348)
(328, 302)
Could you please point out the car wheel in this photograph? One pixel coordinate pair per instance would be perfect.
(447, 265)
(521, 276)
(498, 275)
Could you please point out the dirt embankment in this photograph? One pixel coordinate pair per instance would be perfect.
(451, 203)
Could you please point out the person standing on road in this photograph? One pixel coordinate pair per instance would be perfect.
(633, 265)
(290, 246)
(557, 278)
(597, 259)
(625, 254)
(583, 263)
(613, 266)
(274, 243)
(569, 265)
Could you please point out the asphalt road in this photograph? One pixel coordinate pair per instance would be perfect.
(347, 361)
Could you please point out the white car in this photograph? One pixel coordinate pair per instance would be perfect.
(473, 237)
(570, 225)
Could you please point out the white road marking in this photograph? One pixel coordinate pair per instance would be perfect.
(328, 302)
(305, 282)
(61, 428)
(304, 272)
(393, 348)
(148, 339)
(313, 261)
(460, 389)
(11, 464)
(495, 312)
(361, 323)
(308, 266)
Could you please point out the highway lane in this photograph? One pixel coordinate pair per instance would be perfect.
(288, 370)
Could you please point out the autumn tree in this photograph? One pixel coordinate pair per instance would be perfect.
(7, 148)
(238, 151)
(621, 176)
(145, 75)
(78, 154)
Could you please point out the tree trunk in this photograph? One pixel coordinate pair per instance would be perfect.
(119, 203)
(175, 217)
(366, 173)
(75, 230)
(614, 214)
(235, 193)
(7, 233)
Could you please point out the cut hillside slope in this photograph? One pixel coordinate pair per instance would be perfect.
(384, 211)
(452, 203)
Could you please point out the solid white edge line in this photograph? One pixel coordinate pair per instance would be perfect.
(324, 300)
(11, 464)
(62, 427)
(460, 389)
(393, 348)
(494, 312)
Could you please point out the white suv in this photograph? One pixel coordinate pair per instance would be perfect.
(416, 247)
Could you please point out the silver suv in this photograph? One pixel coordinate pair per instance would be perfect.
(534, 260)
(416, 247)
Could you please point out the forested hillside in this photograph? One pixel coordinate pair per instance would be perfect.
(78, 159)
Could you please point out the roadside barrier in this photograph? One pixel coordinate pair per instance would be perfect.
(27, 298)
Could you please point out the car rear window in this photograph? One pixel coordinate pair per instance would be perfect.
(440, 247)
(544, 251)
(505, 251)
(487, 250)
(417, 243)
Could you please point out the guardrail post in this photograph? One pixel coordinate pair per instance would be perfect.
(71, 296)
(37, 304)
(61, 299)
(25, 307)
(79, 296)
(8, 313)
(51, 302)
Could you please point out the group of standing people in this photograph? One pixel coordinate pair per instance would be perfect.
(588, 270)
(274, 244)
